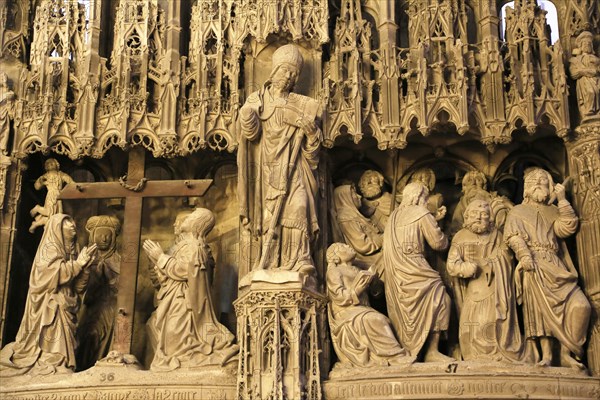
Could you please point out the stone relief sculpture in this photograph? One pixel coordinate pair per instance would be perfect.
(417, 302)
(279, 151)
(189, 334)
(7, 99)
(96, 324)
(53, 180)
(585, 68)
(46, 343)
(377, 201)
(361, 336)
(481, 264)
(358, 231)
(435, 202)
(474, 187)
(546, 279)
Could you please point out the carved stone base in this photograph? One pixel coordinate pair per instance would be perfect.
(464, 380)
(279, 322)
(124, 383)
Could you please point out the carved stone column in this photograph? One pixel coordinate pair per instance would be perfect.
(584, 158)
(279, 333)
(13, 174)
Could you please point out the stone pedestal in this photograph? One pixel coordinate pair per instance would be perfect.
(280, 323)
(584, 157)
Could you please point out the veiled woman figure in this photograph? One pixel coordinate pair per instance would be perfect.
(358, 231)
(95, 330)
(361, 336)
(45, 343)
(189, 334)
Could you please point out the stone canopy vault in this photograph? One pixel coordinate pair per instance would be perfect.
(299, 199)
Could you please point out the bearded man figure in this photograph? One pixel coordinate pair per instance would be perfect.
(417, 302)
(546, 279)
(377, 202)
(278, 154)
(481, 265)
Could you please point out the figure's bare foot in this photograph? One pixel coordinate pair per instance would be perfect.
(436, 356)
(567, 361)
(546, 362)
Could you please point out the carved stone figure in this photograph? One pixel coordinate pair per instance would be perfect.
(435, 200)
(358, 231)
(46, 343)
(7, 98)
(417, 302)
(279, 151)
(546, 279)
(53, 180)
(189, 333)
(585, 68)
(484, 289)
(361, 336)
(378, 202)
(474, 187)
(95, 329)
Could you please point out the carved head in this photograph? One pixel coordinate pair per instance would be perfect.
(179, 220)
(371, 184)
(287, 64)
(538, 186)
(474, 179)
(103, 230)
(339, 253)
(200, 222)
(426, 176)
(51, 165)
(585, 42)
(415, 193)
(477, 216)
(68, 231)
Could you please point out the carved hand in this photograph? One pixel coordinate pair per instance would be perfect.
(87, 254)
(559, 191)
(469, 269)
(308, 127)
(153, 250)
(527, 263)
(441, 213)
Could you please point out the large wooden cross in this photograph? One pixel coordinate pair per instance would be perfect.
(132, 226)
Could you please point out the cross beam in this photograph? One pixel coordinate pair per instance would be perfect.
(132, 227)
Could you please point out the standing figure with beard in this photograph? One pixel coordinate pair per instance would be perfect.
(417, 302)
(481, 265)
(277, 159)
(377, 202)
(546, 279)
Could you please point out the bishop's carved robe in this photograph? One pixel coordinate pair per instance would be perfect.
(417, 301)
(267, 145)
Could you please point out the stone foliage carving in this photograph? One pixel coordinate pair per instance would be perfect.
(189, 334)
(279, 151)
(481, 264)
(417, 302)
(96, 323)
(46, 343)
(361, 336)
(585, 68)
(54, 180)
(546, 279)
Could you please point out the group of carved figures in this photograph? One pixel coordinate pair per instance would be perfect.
(70, 311)
(277, 159)
(480, 274)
